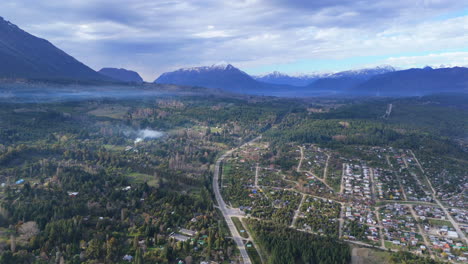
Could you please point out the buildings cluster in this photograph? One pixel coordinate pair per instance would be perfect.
(357, 183)
(386, 185)
(399, 226)
(425, 211)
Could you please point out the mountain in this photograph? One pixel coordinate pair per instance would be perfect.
(281, 78)
(346, 80)
(325, 81)
(415, 82)
(226, 77)
(24, 56)
(122, 75)
(380, 81)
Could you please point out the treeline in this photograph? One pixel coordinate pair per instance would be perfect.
(283, 245)
(335, 131)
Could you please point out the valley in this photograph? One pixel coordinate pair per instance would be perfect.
(191, 178)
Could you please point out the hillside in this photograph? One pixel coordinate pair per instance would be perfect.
(121, 75)
(25, 56)
(415, 82)
(225, 77)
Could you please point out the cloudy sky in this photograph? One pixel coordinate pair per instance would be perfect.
(293, 36)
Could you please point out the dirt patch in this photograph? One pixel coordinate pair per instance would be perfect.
(369, 256)
(359, 255)
(344, 124)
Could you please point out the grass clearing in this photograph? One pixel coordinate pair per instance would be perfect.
(253, 254)
(137, 177)
(240, 227)
(114, 147)
(389, 244)
(114, 112)
(438, 222)
(369, 256)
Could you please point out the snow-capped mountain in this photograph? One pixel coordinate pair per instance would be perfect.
(345, 80)
(308, 79)
(365, 73)
(294, 80)
(384, 80)
(224, 76)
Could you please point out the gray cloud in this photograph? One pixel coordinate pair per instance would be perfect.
(155, 36)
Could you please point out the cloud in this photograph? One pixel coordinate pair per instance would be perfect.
(445, 59)
(152, 37)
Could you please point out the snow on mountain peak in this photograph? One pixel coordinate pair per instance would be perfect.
(222, 67)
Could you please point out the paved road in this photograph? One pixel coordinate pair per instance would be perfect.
(228, 213)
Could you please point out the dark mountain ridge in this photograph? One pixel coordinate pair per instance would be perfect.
(123, 75)
(415, 82)
(26, 56)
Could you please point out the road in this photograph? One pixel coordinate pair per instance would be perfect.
(298, 211)
(341, 221)
(398, 176)
(227, 212)
(257, 169)
(342, 179)
(310, 172)
(300, 161)
(377, 215)
(449, 217)
(371, 171)
(325, 171)
(415, 216)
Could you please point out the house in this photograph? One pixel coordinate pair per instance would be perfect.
(452, 234)
(187, 232)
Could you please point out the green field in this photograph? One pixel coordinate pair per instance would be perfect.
(253, 254)
(114, 147)
(114, 111)
(141, 178)
(438, 222)
(240, 227)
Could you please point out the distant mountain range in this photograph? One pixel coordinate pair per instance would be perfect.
(122, 75)
(325, 81)
(346, 80)
(23, 55)
(223, 76)
(285, 79)
(416, 82)
(380, 81)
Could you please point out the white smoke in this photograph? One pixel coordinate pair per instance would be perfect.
(147, 134)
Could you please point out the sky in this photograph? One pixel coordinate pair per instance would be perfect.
(257, 36)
